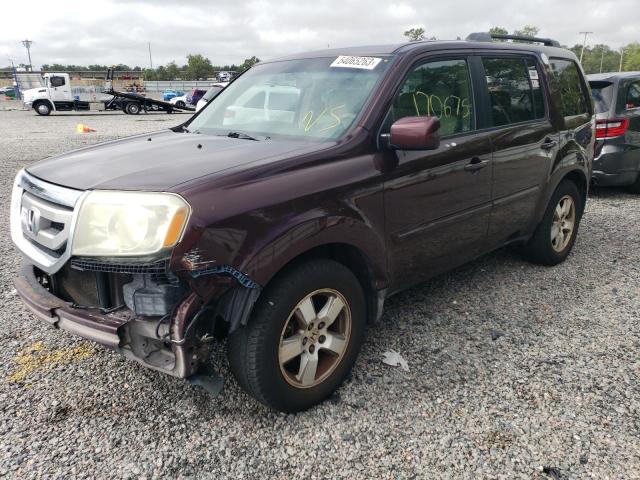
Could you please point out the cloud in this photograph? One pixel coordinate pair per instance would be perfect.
(118, 31)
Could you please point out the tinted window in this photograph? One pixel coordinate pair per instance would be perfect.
(567, 79)
(440, 89)
(56, 81)
(514, 90)
(633, 96)
(602, 93)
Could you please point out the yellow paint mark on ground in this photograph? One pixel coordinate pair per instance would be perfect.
(37, 357)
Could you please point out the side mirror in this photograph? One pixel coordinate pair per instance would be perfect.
(415, 133)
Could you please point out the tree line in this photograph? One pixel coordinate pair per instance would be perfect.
(596, 58)
(198, 67)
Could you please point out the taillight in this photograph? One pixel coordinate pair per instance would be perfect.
(612, 127)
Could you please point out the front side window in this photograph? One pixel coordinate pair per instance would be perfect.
(56, 81)
(315, 99)
(438, 89)
(515, 93)
(633, 96)
(568, 81)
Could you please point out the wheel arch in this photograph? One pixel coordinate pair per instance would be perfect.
(356, 260)
(44, 100)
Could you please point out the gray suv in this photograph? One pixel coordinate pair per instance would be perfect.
(617, 100)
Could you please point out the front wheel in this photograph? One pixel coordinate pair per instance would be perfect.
(554, 238)
(43, 109)
(303, 336)
(180, 104)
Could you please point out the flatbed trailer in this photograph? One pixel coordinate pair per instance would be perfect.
(133, 104)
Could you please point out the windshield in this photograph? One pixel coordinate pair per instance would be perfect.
(602, 93)
(212, 92)
(315, 98)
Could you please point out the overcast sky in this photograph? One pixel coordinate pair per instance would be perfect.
(118, 31)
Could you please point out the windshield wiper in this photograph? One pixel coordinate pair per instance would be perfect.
(242, 136)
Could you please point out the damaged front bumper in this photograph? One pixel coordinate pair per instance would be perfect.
(175, 346)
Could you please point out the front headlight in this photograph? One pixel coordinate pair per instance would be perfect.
(129, 223)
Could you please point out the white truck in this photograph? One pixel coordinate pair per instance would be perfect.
(54, 95)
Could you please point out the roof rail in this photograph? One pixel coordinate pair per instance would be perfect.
(488, 37)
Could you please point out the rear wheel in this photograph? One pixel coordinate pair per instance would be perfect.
(303, 337)
(43, 108)
(180, 104)
(554, 238)
(132, 108)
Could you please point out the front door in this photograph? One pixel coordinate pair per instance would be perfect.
(437, 202)
(59, 89)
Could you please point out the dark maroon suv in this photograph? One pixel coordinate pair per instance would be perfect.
(283, 214)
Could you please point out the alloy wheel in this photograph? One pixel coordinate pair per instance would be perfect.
(563, 224)
(315, 338)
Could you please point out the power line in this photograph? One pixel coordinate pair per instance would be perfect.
(584, 42)
(27, 45)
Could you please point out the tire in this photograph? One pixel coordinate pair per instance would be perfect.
(132, 108)
(635, 187)
(255, 350)
(42, 108)
(180, 104)
(551, 245)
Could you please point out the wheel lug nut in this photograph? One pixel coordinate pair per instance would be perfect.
(312, 348)
(321, 325)
(310, 327)
(322, 338)
(304, 341)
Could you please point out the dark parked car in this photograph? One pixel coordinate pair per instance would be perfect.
(285, 213)
(195, 95)
(617, 99)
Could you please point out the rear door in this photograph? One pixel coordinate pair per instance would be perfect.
(523, 140)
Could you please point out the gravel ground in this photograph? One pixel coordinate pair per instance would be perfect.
(516, 371)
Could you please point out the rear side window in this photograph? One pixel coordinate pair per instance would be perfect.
(633, 96)
(602, 93)
(438, 89)
(568, 81)
(515, 93)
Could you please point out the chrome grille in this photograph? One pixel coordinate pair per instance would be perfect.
(45, 223)
(42, 219)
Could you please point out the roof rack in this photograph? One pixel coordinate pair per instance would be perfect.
(488, 37)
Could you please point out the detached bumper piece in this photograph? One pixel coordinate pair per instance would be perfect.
(171, 344)
(99, 328)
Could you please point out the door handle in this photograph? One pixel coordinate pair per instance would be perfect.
(548, 144)
(476, 164)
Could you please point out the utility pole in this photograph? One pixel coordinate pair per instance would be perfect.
(621, 55)
(150, 60)
(27, 45)
(584, 42)
(602, 58)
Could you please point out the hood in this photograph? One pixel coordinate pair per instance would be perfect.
(160, 161)
(27, 95)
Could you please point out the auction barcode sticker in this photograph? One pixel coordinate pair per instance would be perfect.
(364, 63)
